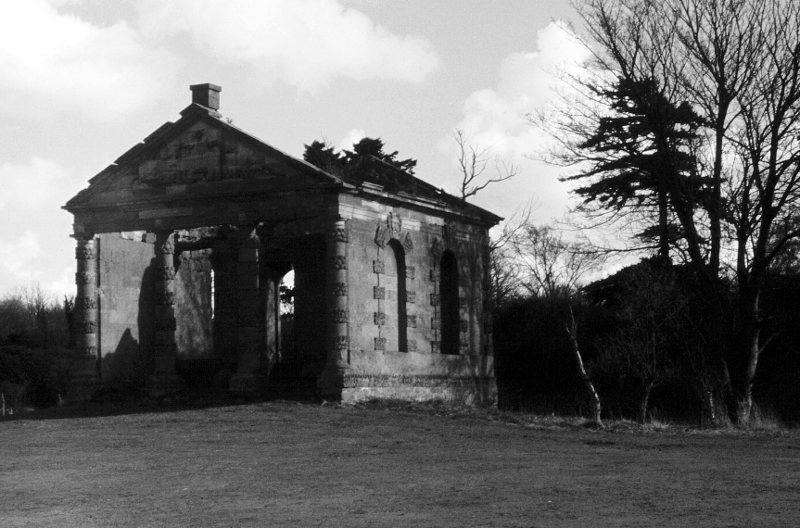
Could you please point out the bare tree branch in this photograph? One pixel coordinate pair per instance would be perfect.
(474, 162)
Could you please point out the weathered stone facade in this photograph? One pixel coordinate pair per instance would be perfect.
(183, 242)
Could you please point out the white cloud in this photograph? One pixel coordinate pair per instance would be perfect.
(60, 3)
(495, 119)
(34, 230)
(304, 43)
(36, 185)
(63, 285)
(528, 82)
(28, 260)
(351, 138)
(52, 62)
(19, 255)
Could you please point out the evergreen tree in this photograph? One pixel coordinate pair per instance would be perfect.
(642, 157)
(366, 158)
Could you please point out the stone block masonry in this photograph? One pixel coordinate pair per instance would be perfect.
(183, 242)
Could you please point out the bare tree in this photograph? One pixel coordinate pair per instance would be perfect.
(503, 276)
(648, 346)
(550, 265)
(736, 63)
(505, 268)
(479, 168)
(524, 255)
(594, 398)
(553, 267)
(33, 317)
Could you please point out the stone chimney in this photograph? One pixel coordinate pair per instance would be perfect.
(206, 95)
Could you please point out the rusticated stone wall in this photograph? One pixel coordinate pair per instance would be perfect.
(396, 306)
(391, 288)
(371, 301)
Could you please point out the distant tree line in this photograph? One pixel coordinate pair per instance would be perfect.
(35, 340)
(682, 133)
(641, 336)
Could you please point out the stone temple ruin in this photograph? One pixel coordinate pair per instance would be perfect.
(182, 244)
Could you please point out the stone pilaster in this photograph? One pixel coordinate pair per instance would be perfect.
(164, 379)
(272, 314)
(249, 379)
(331, 381)
(86, 376)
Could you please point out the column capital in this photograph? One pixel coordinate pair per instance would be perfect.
(85, 247)
(339, 231)
(165, 242)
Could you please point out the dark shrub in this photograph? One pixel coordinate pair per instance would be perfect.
(36, 377)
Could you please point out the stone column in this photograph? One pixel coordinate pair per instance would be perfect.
(164, 379)
(272, 314)
(331, 382)
(249, 379)
(86, 377)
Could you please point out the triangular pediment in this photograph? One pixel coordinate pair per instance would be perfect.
(205, 153)
(202, 164)
(200, 155)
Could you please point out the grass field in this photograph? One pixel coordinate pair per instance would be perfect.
(290, 464)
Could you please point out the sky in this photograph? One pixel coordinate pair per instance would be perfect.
(82, 81)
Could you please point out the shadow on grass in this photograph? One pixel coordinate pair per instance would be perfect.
(118, 403)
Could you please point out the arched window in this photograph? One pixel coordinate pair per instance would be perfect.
(396, 314)
(449, 302)
(284, 327)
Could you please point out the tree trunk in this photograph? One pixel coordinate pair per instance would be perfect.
(713, 374)
(749, 351)
(643, 404)
(710, 410)
(715, 211)
(744, 408)
(572, 332)
(744, 388)
(663, 223)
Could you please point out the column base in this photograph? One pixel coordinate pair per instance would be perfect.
(165, 384)
(84, 380)
(331, 382)
(248, 385)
